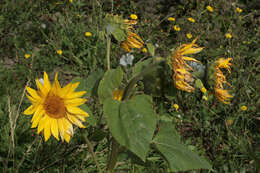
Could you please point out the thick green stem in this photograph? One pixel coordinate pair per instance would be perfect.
(91, 151)
(108, 51)
(113, 156)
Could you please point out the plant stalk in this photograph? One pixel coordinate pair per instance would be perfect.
(91, 151)
(113, 156)
(108, 51)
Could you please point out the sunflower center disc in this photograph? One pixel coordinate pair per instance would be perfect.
(54, 107)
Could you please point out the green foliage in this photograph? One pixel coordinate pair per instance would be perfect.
(224, 135)
(179, 157)
(132, 123)
(111, 80)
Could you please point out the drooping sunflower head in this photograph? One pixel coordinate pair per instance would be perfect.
(224, 63)
(132, 41)
(55, 109)
(220, 79)
(182, 77)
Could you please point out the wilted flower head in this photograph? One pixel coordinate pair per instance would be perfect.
(132, 41)
(182, 77)
(55, 108)
(220, 79)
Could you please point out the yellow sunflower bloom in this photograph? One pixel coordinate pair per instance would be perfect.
(220, 79)
(55, 108)
(182, 77)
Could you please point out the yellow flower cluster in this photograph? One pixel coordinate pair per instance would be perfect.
(182, 77)
(220, 79)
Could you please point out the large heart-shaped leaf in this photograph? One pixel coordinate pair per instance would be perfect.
(111, 80)
(179, 157)
(132, 123)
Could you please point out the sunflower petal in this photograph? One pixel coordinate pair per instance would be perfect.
(61, 128)
(54, 128)
(67, 137)
(76, 94)
(41, 87)
(36, 118)
(75, 121)
(47, 84)
(75, 102)
(30, 110)
(47, 129)
(42, 124)
(33, 93)
(192, 51)
(76, 111)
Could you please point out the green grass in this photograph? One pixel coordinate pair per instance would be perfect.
(224, 134)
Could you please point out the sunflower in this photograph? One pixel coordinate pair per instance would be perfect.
(55, 109)
(182, 77)
(220, 79)
(133, 40)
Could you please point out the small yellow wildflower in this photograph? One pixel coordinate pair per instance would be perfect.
(27, 56)
(209, 8)
(191, 19)
(228, 35)
(205, 98)
(176, 106)
(171, 19)
(144, 50)
(176, 28)
(88, 34)
(133, 16)
(203, 90)
(243, 108)
(71, 1)
(189, 35)
(59, 52)
(239, 10)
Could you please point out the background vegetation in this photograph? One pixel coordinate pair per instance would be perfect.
(228, 137)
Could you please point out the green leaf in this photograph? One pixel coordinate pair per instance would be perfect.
(179, 157)
(140, 66)
(151, 48)
(132, 123)
(92, 82)
(111, 80)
